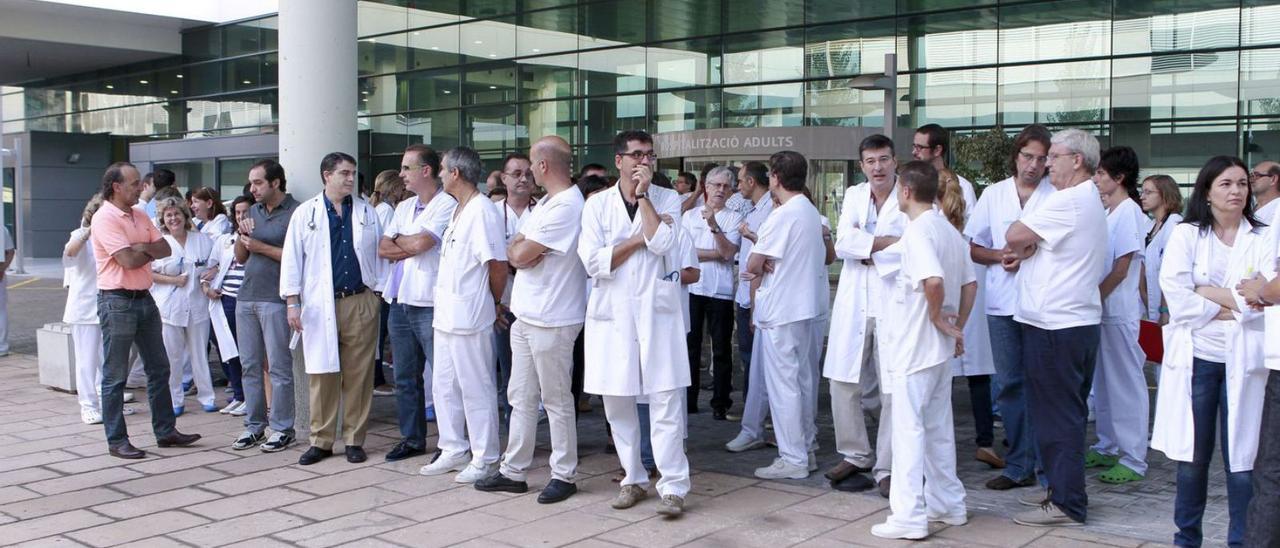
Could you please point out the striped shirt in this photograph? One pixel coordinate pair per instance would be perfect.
(232, 281)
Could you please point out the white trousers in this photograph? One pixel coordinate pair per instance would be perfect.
(190, 344)
(4, 315)
(1121, 400)
(924, 462)
(465, 392)
(666, 431)
(789, 363)
(756, 409)
(542, 370)
(86, 338)
(848, 401)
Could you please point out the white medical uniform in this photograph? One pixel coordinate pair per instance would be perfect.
(790, 311)
(464, 385)
(756, 407)
(977, 359)
(635, 333)
(184, 312)
(80, 277)
(1152, 258)
(216, 226)
(222, 256)
(924, 468)
(856, 329)
(1189, 261)
(1120, 387)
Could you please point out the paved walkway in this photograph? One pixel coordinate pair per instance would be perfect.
(59, 488)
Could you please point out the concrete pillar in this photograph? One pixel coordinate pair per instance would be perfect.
(317, 87)
(317, 108)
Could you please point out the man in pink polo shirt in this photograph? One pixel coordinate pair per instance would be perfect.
(125, 242)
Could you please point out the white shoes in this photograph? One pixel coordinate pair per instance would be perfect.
(888, 530)
(231, 406)
(446, 463)
(743, 443)
(781, 470)
(955, 520)
(813, 462)
(473, 473)
(89, 416)
(240, 410)
(128, 397)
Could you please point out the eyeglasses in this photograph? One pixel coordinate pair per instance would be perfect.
(1255, 175)
(410, 168)
(1054, 157)
(1145, 192)
(1032, 158)
(920, 147)
(641, 155)
(516, 174)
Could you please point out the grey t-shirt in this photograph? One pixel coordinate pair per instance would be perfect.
(262, 273)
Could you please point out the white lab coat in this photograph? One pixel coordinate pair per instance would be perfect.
(845, 343)
(305, 270)
(1152, 257)
(1186, 265)
(977, 358)
(224, 253)
(635, 328)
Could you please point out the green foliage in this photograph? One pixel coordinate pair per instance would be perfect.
(983, 157)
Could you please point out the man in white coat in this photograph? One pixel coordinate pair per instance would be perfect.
(635, 326)
(788, 271)
(550, 304)
(870, 221)
(329, 268)
(754, 186)
(473, 273)
(1062, 247)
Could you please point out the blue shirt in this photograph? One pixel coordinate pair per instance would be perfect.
(342, 249)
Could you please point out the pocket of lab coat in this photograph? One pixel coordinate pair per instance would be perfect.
(458, 310)
(598, 303)
(666, 296)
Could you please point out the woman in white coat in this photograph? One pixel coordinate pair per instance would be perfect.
(210, 216)
(221, 284)
(184, 309)
(1213, 375)
(1161, 199)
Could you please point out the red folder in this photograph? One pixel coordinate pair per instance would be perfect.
(1151, 340)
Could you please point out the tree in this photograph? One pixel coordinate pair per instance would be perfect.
(983, 157)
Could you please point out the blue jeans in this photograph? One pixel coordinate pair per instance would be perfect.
(1059, 363)
(412, 340)
(646, 443)
(1011, 398)
(126, 321)
(742, 317)
(231, 368)
(1208, 405)
(502, 349)
(262, 333)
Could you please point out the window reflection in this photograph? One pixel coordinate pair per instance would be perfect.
(1061, 93)
(685, 63)
(1180, 85)
(688, 109)
(1152, 26)
(771, 105)
(849, 49)
(955, 97)
(764, 57)
(1056, 30)
(1259, 80)
(548, 77)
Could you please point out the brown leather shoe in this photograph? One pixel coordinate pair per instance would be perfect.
(177, 439)
(883, 485)
(126, 450)
(989, 457)
(843, 470)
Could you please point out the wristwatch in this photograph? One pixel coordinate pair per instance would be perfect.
(642, 195)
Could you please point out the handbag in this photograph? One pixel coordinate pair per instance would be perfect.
(1151, 340)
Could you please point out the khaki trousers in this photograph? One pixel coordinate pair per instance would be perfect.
(349, 391)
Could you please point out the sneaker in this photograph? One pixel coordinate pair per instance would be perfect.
(128, 397)
(384, 390)
(743, 443)
(781, 470)
(240, 410)
(628, 496)
(89, 416)
(1047, 515)
(446, 463)
(1036, 497)
(210, 408)
(954, 520)
(889, 530)
(247, 440)
(671, 506)
(126, 411)
(230, 406)
(473, 473)
(277, 442)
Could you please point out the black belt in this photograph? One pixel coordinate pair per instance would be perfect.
(344, 294)
(130, 293)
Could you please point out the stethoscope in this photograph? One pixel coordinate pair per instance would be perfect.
(506, 209)
(311, 223)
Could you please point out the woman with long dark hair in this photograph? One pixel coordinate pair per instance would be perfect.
(1213, 377)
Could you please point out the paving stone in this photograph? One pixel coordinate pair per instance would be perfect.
(81, 481)
(14, 493)
(44, 506)
(32, 529)
(712, 484)
(986, 529)
(137, 528)
(22, 447)
(783, 528)
(50, 542)
(85, 464)
(442, 504)
(343, 530)
(157, 542)
(151, 504)
(34, 459)
(172, 464)
(257, 461)
(349, 480)
(237, 529)
(656, 531)
(839, 505)
(173, 480)
(745, 502)
(449, 530)
(26, 475)
(244, 483)
(559, 529)
(358, 500)
(256, 501)
(262, 542)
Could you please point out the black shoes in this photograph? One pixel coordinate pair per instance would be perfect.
(884, 485)
(853, 483)
(499, 482)
(720, 414)
(556, 491)
(314, 455)
(1004, 483)
(403, 451)
(126, 450)
(177, 439)
(355, 454)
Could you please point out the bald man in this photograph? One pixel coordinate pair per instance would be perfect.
(549, 300)
(1264, 180)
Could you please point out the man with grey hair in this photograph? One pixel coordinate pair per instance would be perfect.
(473, 275)
(713, 229)
(1062, 247)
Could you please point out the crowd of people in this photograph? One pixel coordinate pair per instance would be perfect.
(556, 286)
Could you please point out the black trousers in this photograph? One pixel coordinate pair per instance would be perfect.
(980, 400)
(1262, 528)
(717, 314)
(1059, 364)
